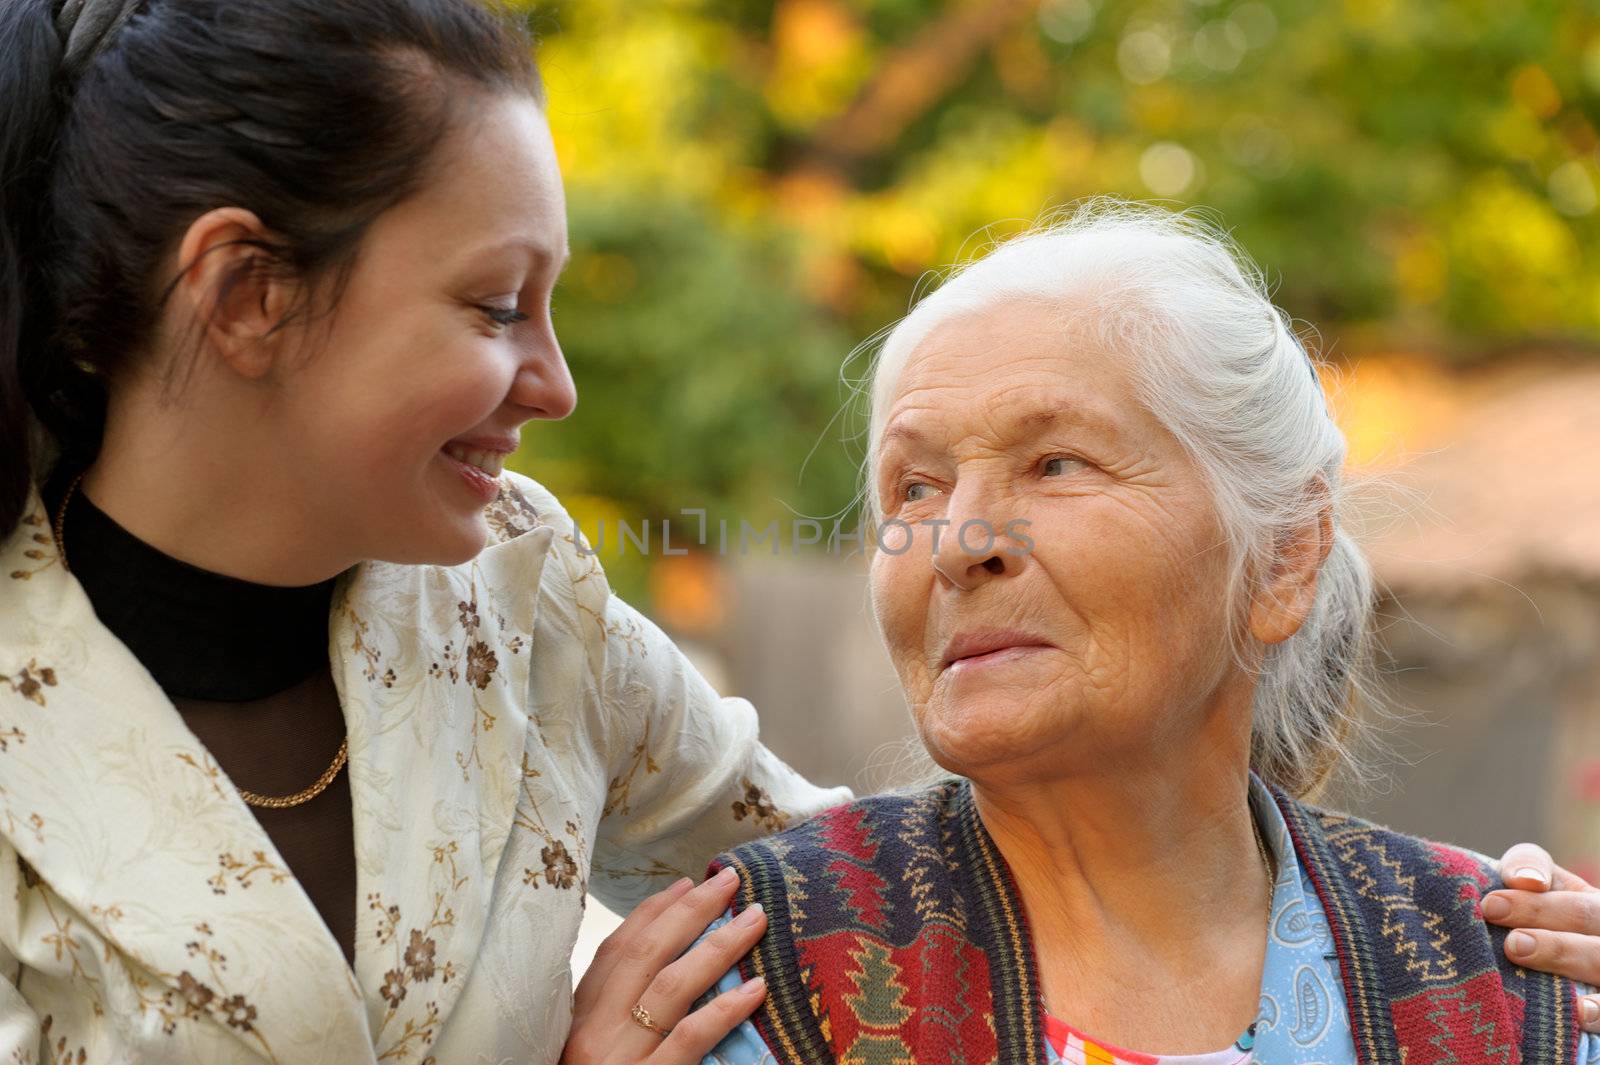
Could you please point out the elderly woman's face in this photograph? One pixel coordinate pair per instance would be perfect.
(1105, 643)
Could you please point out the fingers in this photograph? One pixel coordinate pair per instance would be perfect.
(605, 959)
(647, 958)
(1568, 881)
(695, 1036)
(646, 954)
(1528, 867)
(1557, 920)
(1555, 911)
(1569, 954)
(676, 987)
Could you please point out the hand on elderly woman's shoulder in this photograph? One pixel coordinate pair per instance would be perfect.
(1556, 917)
(637, 1003)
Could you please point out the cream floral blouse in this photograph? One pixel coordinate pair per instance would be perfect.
(518, 736)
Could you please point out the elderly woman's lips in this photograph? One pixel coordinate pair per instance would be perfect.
(992, 658)
(985, 648)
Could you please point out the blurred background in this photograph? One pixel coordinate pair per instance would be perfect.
(757, 186)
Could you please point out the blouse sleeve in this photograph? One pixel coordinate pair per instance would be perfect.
(686, 774)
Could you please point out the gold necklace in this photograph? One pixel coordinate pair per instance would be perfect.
(269, 802)
(299, 798)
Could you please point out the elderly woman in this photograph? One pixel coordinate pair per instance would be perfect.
(1116, 582)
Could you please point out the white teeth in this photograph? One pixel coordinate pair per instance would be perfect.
(490, 462)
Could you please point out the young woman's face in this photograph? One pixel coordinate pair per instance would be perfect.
(440, 348)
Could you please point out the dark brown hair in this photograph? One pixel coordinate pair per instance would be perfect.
(316, 115)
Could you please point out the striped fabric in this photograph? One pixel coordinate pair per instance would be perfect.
(1071, 1047)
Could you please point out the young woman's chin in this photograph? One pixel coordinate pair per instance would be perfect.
(440, 525)
(437, 540)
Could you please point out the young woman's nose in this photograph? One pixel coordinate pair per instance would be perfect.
(543, 386)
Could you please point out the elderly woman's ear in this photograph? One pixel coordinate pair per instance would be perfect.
(1284, 600)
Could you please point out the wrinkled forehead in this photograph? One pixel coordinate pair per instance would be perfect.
(1022, 357)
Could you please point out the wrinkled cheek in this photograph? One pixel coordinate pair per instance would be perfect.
(900, 605)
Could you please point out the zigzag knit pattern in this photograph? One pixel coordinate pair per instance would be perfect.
(896, 934)
(1426, 981)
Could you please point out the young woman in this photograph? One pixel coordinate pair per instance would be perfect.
(275, 282)
(315, 726)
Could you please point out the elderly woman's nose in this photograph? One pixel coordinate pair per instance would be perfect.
(969, 553)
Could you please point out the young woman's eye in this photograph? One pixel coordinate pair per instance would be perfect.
(1061, 465)
(503, 317)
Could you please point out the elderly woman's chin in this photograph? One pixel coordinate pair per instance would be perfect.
(1028, 720)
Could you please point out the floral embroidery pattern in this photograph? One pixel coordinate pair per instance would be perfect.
(34, 822)
(757, 804)
(244, 872)
(478, 661)
(63, 940)
(371, 654)
(620, 788)
(394, 987)
(31, 681)
(190, 997)
(561, 868)
(481, 664)
(195, 995)
(511, 515)
(415, 963)
(206, 767)
(59, 1054)
(43, 551)
(419, 956)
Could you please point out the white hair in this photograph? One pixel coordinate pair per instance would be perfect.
(1221, 368)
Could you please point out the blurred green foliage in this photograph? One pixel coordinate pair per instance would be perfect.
(757, 185)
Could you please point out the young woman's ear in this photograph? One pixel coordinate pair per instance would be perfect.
(231, 291)
(1285, 599)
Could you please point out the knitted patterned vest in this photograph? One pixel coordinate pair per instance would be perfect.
(896, 934)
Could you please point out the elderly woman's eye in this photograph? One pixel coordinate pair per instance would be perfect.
(1059, 465)
(916, 490)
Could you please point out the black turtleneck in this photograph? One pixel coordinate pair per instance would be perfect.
(246, 665)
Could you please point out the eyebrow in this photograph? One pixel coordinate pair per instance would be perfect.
(1041, 420)
(538, 250)
(1026, 425)
(902, 432)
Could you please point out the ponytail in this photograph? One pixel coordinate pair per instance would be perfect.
(31, 55)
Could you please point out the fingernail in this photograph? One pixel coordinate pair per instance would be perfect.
(1496, 907)
(1519, 944)
(727, 876)
(1591, 1011)
(753, 987)
(749, 916)
(1530, 873)
(684, 883)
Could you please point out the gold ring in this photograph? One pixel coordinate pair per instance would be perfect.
(641, 1017)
